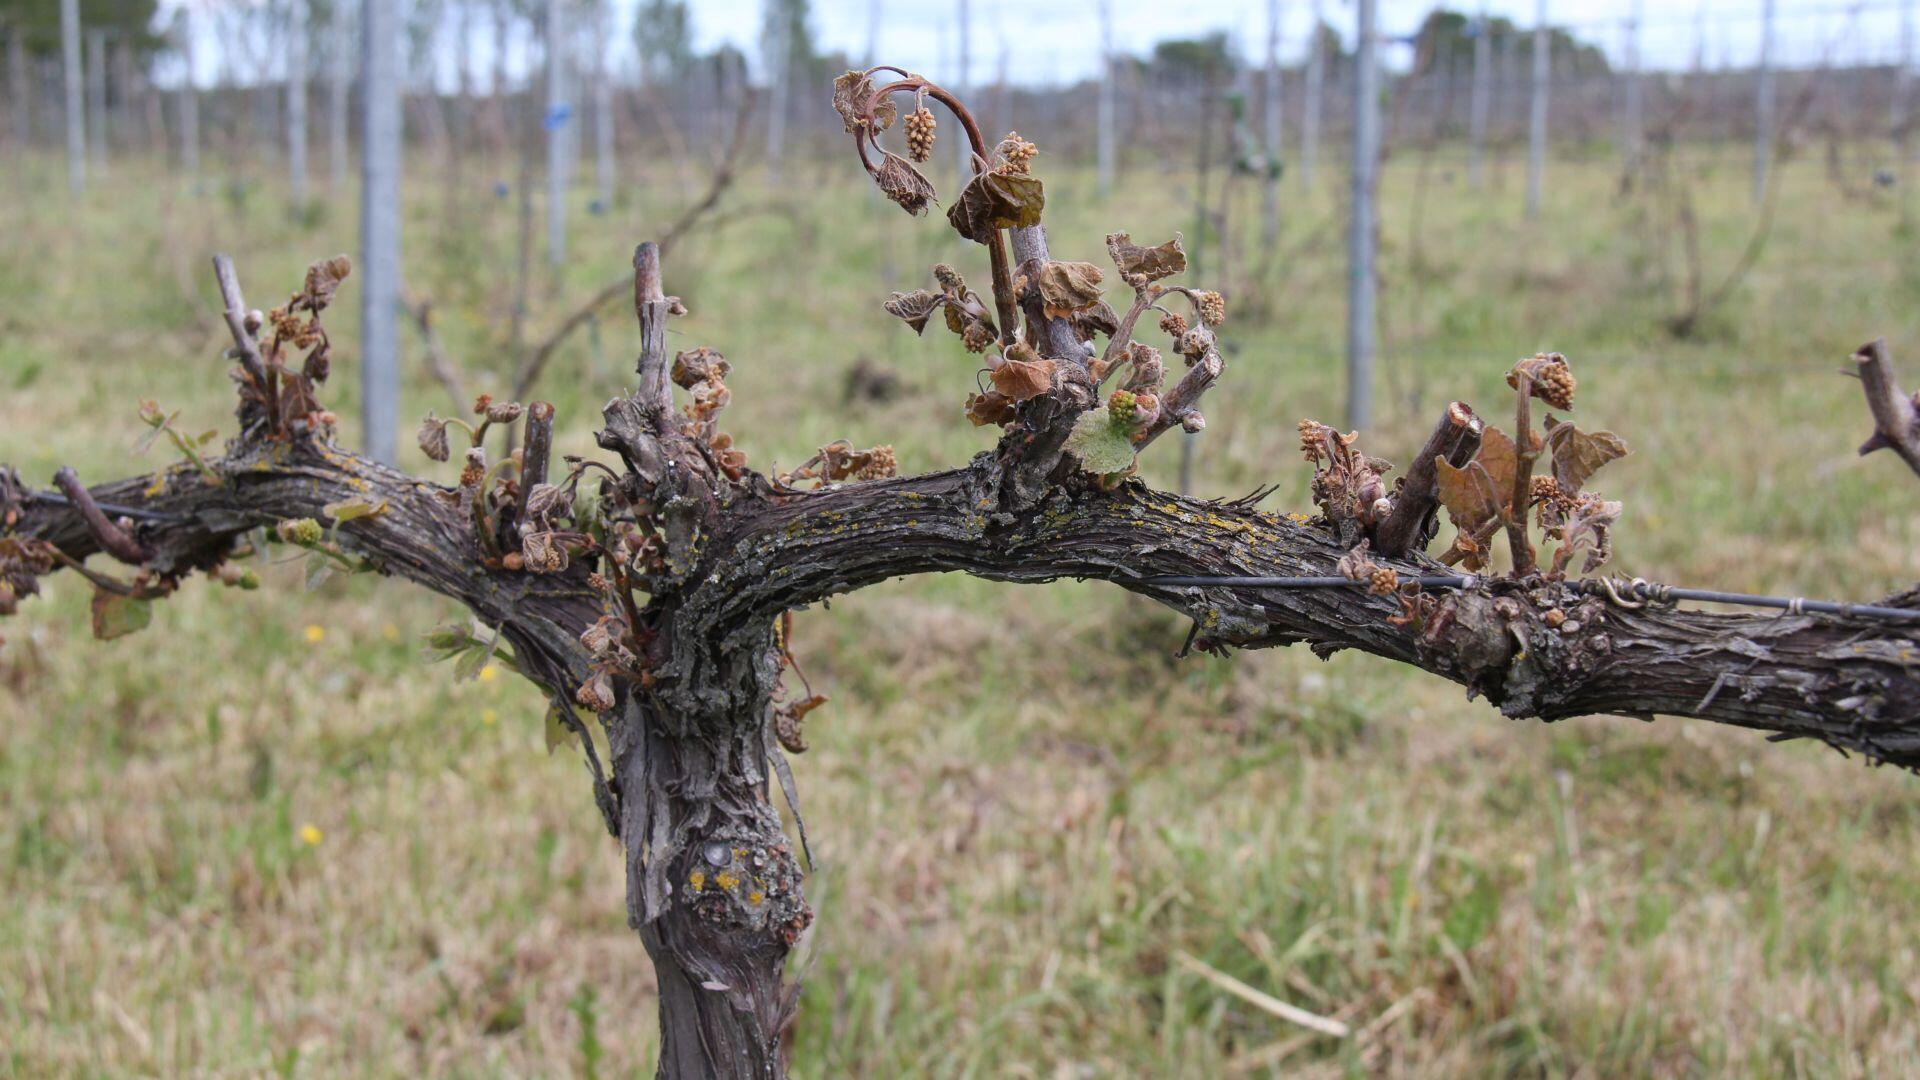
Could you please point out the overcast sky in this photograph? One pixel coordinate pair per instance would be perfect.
(1043, 39)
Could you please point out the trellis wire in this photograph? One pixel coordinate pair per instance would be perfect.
(134, 512)
(1625, 593)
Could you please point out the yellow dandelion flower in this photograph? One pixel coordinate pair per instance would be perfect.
(488, 717)
(487, 673)
(316, 633)
(390, 632)
(311, 835)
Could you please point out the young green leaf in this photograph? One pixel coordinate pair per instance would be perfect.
(351, 509)
(115, 615)
(319, 569)
(558, 734)
(1101, 444)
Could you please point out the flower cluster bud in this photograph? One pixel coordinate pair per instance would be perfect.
(1550, 379)
(920, 124)
(302, 531)
(1017, 153)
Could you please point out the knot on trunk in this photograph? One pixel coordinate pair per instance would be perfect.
(742, 878)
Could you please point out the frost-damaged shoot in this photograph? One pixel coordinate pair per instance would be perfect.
(649, 589)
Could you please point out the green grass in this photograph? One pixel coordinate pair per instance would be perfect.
(1024, 810)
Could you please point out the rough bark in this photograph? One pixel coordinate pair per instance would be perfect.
(1851, 683)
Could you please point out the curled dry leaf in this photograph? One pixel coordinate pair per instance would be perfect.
(992, 407)
(1589, 525)
(548, 501)
(433, 438)
(1098, 319)
(596, 694)
(1482, 491)
(1577, 455)
(691, 366)
(840, 461)
(851, 93)
(915, 308)
(966, 315)
(731, 459)
(1020, 374)
(709, 397)
(323, 280)
(1351, 485)
(1068, 288)
(1149, 372)
(1355, 565)
(788, 718)
(1139, 265)
(543, 553)
(993, 201)
(902, 183)
(601, 639)
(22, 563)
(1194, 344)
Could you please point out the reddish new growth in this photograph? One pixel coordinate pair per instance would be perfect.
(1496, 490)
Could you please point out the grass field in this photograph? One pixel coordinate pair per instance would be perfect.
(264, 836)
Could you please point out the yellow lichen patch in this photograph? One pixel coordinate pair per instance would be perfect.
(756, 898)
(726, 879)
(697, 880)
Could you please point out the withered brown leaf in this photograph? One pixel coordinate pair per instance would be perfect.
(1482, 491)
(697, 365)
(915, 308)
(1146, 264)
(1501, 458)
(851, 92)
(323, 279)
(1020, 376)
(1098, 319)
(1577, 454)
(1068, 288)
(1149, 371)
(994, 200)
(992, 407)
(902, 183)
